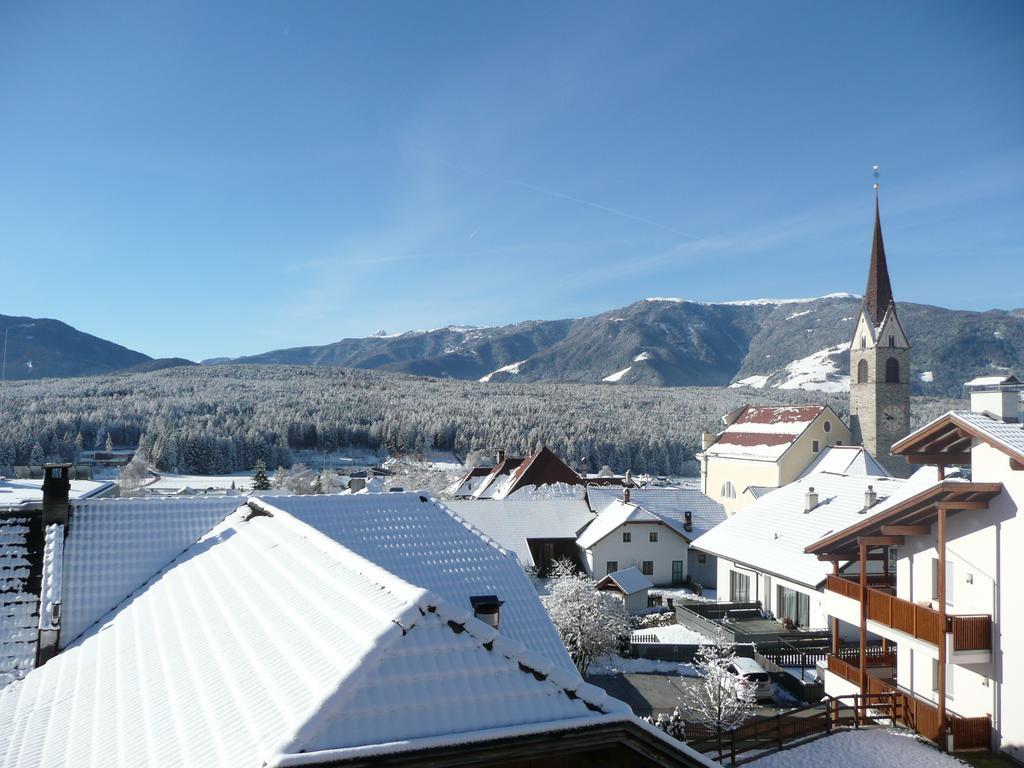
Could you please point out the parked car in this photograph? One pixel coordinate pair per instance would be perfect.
(756, 675)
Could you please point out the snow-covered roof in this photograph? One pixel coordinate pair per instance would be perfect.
(611, 517)
(18, 603)
(1006, 437)
(439, 552)
(846, 460)
(992, 381)
(771, 533)
(513, 521)
(764, 432)
(15, 493)
(628, 580)
(671, 634)
(114, 545)
(271, 642)
(669, 505)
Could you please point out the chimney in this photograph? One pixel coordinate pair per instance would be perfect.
(688, 520)
(56, 491)
(625, 494)
(500, 457)
(870, 498)
(707, 439)
(810, 501)
(998, 396)
(487, 608)
(629, 477)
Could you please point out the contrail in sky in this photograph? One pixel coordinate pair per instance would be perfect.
(558, 195)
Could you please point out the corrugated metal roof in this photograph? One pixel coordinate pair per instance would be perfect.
(512, 522)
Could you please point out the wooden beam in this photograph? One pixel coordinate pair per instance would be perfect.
(848, 556)
(941, 547)
(1016, 466)
(938, 458)
(879, 541)
(906, 530)
(957, 506)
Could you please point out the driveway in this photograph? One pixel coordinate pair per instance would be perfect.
(656, 694)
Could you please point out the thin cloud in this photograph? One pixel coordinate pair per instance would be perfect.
(557, 195)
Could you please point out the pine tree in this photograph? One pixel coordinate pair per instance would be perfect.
(260, 481)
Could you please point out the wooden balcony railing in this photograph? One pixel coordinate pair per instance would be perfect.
(970, 633)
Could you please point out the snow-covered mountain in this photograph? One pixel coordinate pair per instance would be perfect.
(783, 343)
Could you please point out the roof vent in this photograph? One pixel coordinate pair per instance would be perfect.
(487, 608)
(688, 520)
(810, 500)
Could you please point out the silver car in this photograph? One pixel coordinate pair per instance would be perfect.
(756, 675)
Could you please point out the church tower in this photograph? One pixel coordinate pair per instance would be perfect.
(880, 366)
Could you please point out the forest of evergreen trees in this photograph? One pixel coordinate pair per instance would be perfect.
(224, 418)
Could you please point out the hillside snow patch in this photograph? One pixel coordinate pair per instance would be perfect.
(641, 357)
(755, 381)
(799, 314)
(510, 368)
(926, 376)
(817, 371)
(617, 375)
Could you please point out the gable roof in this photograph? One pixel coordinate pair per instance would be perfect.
(628, 580)
(512, 521)
(765, 432)
(669, 505)
(947, 439)
(540, 468)
(268, 638)
(611, 517)
(846, 460)
(772, 532)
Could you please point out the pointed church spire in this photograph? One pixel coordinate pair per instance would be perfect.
(878, 294)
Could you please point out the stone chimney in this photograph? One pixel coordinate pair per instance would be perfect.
(625, 494)
(56, 492)
(707, 439)
(499, 457)
(870, 498)
(998, 396)
(810, 500)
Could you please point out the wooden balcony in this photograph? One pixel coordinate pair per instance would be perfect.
(970, 633)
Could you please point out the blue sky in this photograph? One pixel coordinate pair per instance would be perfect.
(197, 179)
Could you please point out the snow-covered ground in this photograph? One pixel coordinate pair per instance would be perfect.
(817, 371)
(615, 665)
(709, 595)
(671, 634)
(861, 749)
(169, 481)
(613, 377)
(755, 381)
(511, 368)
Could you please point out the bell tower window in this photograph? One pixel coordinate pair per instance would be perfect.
(863, 342)
(892, 340)
(862, 372)
(892, 371)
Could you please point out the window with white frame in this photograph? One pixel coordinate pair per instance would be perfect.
(626, 537)
(653, 536)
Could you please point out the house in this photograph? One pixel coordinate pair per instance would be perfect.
(539, 531)
(760, 550)
(651, 529)
(765, 446)
(509, 475)
(630, 585)
(948, 611)
(300, 630)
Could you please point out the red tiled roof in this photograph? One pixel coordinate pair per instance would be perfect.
(755, 438)
(779, 414)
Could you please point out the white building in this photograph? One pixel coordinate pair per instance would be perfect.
(950, 614)
(652, 530)
(760, 549)
(302, 630)
(763, 447)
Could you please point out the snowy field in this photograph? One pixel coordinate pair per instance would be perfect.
(169, 481)
(862, 749)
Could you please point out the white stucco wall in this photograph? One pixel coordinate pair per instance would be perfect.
(669, 547)
(764, 587)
